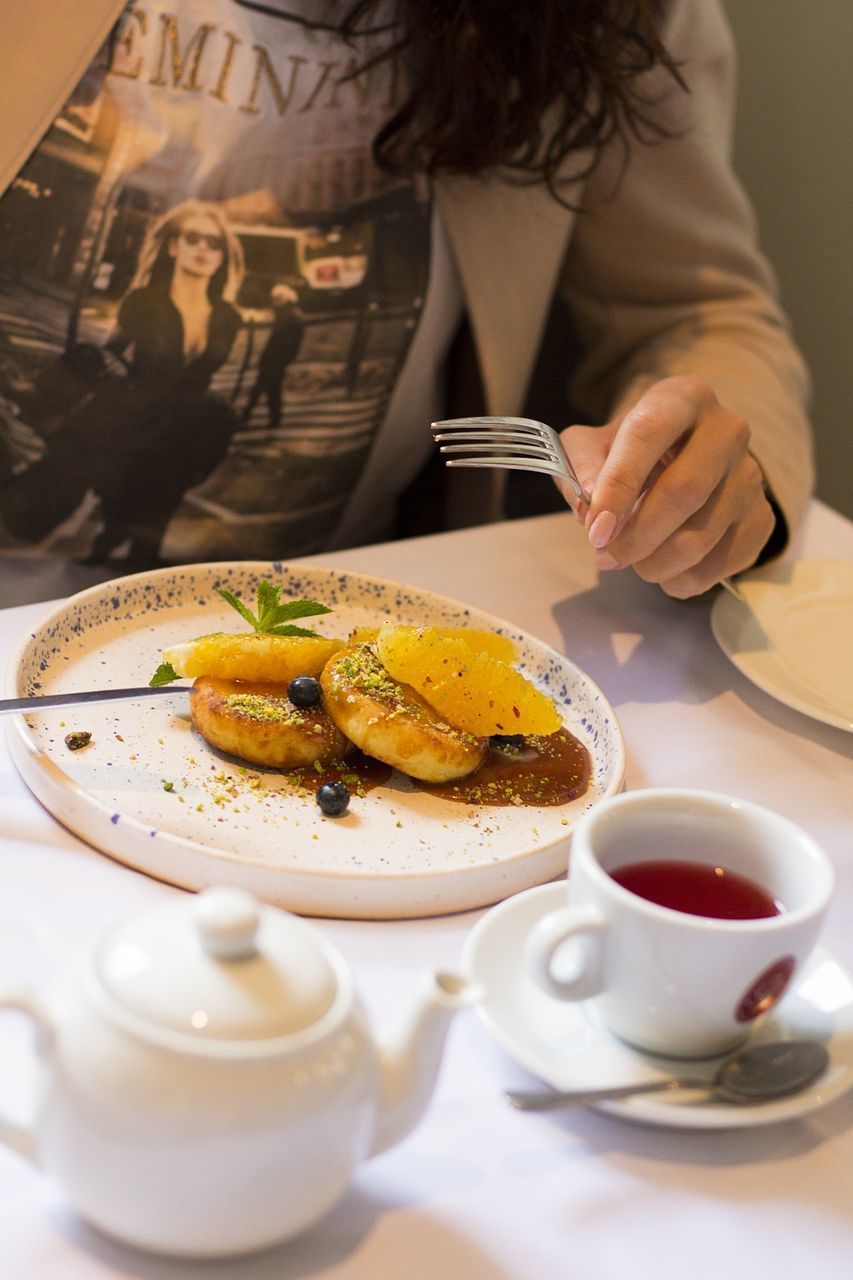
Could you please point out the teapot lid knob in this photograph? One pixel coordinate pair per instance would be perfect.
(227, 920)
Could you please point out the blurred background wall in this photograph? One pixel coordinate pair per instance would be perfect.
(794, 154)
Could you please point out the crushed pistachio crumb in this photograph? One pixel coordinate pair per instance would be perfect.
(262, 706)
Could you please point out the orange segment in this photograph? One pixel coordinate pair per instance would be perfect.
(500, 647)
(363, 635)
(252, 656)
(473, 690)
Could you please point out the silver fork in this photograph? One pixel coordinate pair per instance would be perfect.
(516, 444)
(513, 444)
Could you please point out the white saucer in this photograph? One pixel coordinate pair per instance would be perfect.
(790, 635)
(566, 1047)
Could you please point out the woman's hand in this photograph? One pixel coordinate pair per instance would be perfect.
(676, 495)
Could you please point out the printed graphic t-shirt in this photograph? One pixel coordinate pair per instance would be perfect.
(215, 311)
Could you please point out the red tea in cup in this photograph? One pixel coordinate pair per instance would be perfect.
(698, 889)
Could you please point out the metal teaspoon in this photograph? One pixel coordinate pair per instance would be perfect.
(755, 1075)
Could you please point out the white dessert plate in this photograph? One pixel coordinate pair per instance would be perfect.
(792, 635)
(568, 1048)
(148, 791)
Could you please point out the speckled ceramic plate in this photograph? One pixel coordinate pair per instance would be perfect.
(397, 852)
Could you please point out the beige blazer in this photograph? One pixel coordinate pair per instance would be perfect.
(663, 277)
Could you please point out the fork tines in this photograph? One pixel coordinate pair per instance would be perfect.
(509, 442)
(517, 444)
(497, 449)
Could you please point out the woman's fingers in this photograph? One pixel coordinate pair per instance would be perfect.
(667, 415)
(710, 483)
(587, 447)
(675, 493)
(710, 546)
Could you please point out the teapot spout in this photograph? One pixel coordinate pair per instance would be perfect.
(410, 1055)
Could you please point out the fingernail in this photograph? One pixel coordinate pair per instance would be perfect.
(605, 561)
(603, 528)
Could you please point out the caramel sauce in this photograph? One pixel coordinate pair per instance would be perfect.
(547, 769)
(358, 772)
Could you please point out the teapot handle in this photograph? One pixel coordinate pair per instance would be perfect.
(21, 1137)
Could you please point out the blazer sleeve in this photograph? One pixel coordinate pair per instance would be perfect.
(663, 274)
(46, 48)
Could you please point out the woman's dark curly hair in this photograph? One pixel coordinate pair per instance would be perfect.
(484, 75)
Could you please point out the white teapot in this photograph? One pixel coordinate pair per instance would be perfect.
(209, 1079)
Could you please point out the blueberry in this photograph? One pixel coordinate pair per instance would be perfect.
(304, 691)
(507, 741)
(333, 799)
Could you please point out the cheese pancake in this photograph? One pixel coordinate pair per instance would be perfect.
(392, 722)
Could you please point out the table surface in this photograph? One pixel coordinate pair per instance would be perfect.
(479, 1191)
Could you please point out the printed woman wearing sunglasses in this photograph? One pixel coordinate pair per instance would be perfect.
(177, 320)
(159, 430)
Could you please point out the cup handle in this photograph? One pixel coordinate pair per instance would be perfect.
(21, 1137)
(585, 923)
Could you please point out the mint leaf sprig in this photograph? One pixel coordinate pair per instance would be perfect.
(274, 618)
(164, 674)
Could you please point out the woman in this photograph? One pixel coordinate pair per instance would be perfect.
(160, 430)
(565, 94)
(575, 149)
(177, 318)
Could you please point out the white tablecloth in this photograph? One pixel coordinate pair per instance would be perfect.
(480, 1191)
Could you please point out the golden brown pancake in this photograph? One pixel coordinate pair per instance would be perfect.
(259, 723)
(392, 722)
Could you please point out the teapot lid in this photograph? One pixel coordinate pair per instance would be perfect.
(219, 966)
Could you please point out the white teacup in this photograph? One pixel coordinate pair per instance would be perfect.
(662, 978)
